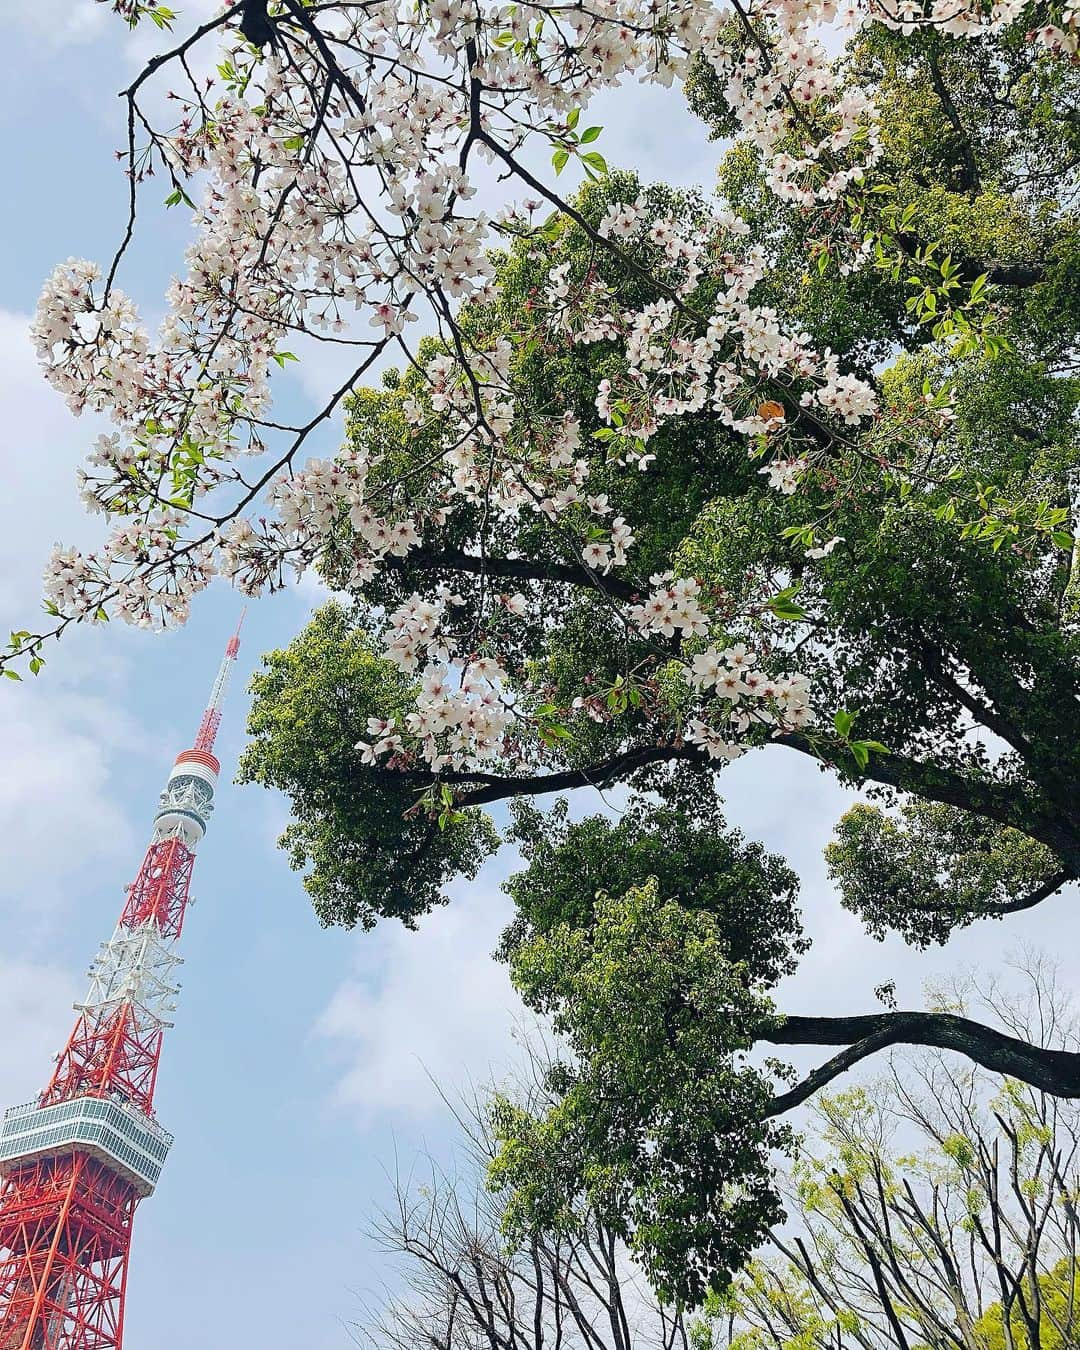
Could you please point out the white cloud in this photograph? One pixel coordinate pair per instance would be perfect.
(58, 802)
(35, 1013)
(64, 23)
(41, 444)
(424, 1005)
(148, 41)
(60, 22)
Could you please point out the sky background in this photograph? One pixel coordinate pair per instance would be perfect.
(306, 1065)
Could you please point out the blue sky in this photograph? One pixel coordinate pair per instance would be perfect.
(304, 1063)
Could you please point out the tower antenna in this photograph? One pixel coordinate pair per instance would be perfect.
(211, 718)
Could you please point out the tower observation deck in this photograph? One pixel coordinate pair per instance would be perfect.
(76, 1161)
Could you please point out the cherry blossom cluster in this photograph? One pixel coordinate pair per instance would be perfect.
(334, 171)
(336, 164)
(731, 677)
(734, 694)
(459, 721)
(973, 19)
(733, 359)
(742, 702)
(674, 606)
(787, 94)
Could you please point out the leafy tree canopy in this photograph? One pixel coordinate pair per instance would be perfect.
(905, 619)
(694, 859)
(660, 1122)
(365, 851)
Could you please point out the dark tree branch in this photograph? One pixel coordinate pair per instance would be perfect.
(874, 1261)
(516, 569)
(255, 23)
(1042, 892)
(991, 718)
(1005, 803)
(1019, 275)
(495, 787)
(1049, 887)
(970, 180)
(1056, 1072)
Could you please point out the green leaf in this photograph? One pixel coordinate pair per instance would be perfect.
(595, 160)
(783, 605)
(842, 721)
(559, 159)
(590, 134)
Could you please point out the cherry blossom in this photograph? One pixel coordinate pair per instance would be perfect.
(330, 176)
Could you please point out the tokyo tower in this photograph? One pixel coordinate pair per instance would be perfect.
(75, 1163)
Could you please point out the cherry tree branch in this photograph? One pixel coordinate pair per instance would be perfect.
(514, 569)
(1005, 803)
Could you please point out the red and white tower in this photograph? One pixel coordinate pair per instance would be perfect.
(75, 1163)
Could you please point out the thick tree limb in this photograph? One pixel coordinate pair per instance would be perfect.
(1020, 275)
(971, 180)
(992, 718)
(1001, 802)
(1049, 887)
(1043, 891)
(1056, 1072)
(516, 569)
(255, 23)
(1005, 803)
(484, 788)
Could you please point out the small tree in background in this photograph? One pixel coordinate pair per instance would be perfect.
(935, 1208)
(465, 1286)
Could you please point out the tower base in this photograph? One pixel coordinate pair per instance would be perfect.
(65, 1235)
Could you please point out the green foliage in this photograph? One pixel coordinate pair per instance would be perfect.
(696, 860)
(368, 853)
(947, 593)
(971, 1226)
(658, 1126)
(969, 216)
(931, 868)
(1059, 1295)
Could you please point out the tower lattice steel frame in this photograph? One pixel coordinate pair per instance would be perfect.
(75, 1163)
